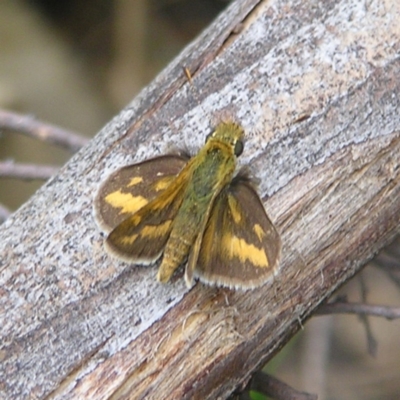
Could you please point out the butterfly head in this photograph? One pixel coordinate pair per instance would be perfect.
(230, 134)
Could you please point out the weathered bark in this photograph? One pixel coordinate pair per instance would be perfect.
(315, 84)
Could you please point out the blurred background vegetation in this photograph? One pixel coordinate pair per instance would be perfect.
(75, 64)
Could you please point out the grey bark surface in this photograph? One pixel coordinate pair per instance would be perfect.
(316, 86)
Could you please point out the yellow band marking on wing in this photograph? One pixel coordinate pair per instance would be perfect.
(129, 239)
(235, 209)
(125, 201)
(239, 248)
(148, 232)
(163, 183)
(136, 180)
(156, 231)
(259, 232)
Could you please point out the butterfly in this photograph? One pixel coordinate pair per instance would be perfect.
(195, 210)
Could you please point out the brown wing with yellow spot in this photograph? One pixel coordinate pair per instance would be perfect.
(240, 247)
(141, 238)
(130, 188)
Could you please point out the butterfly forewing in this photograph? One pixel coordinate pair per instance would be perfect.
(240, 246)
(130, 188)
(141, 237)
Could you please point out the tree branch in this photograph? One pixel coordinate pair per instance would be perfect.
(315, 85)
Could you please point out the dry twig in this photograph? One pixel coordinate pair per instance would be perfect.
(389, 261)
(9, 169)
(29, 126)
(277, 389)
(343, 307)
(4, 213)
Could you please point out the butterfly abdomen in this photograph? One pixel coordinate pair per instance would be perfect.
(176, 251)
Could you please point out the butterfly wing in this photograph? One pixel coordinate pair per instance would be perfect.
(141, 238)
(240, 246)
(130, 188)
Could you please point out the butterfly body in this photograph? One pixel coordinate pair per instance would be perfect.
(209, 172)
(193, 210)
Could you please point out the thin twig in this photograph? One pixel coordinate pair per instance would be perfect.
(371, 341)
(4, 213)
(278, 390)
(315, 354)
(389, 261)
(29, 126)
(9, 169)
(341, 307)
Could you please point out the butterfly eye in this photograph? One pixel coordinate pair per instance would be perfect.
(239, 146)
(208, 137)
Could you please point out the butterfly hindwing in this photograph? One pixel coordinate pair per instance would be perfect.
(130, 188)
(240, 246)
